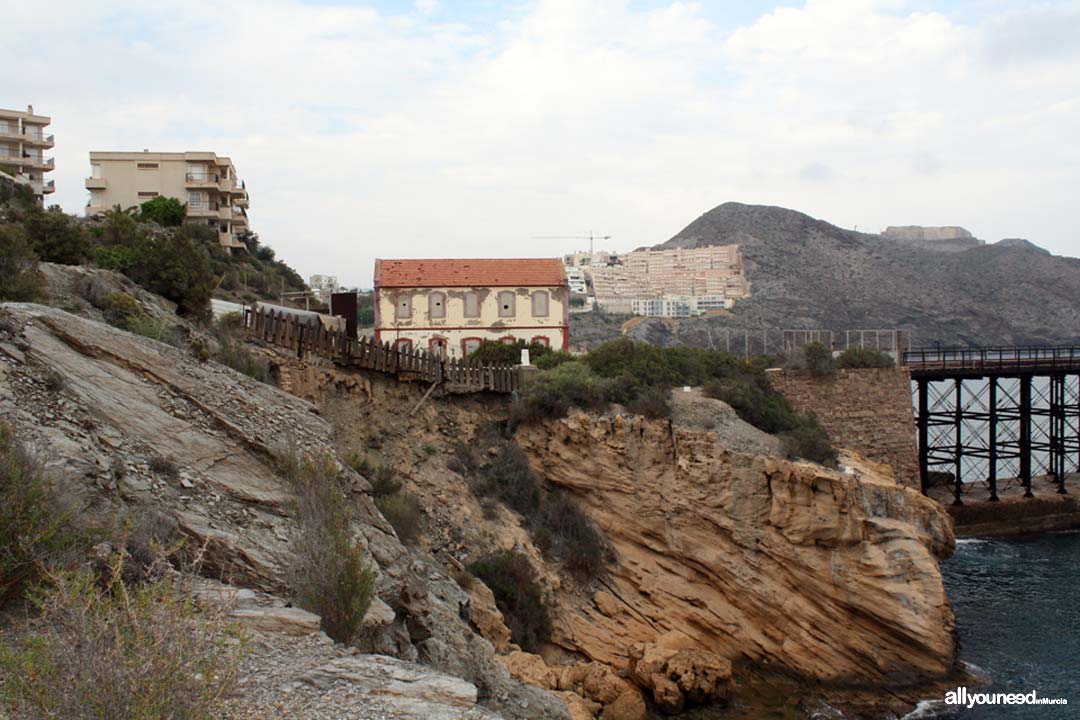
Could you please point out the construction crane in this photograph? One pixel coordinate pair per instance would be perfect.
(590, 237)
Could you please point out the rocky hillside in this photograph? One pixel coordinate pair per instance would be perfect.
(807, 273)
(133, 428)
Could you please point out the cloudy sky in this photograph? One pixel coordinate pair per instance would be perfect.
(466, 127)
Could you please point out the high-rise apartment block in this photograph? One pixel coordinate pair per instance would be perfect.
(206, 183)
(23, 143)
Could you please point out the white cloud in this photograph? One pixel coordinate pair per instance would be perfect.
(362, 133)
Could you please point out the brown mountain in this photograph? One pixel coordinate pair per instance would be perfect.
(807, 273)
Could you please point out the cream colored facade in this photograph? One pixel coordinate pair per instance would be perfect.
(23, 143)
(454, 320)
(714, 272)
(205, 183)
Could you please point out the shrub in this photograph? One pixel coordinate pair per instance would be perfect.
(33, 530)
(359, 463)
(54, 381)
(555, 391)
(121, 653)
(163, 466)
(568, 535)
(514, 584)
(57, 237)
(809, 441)
(120, 258)
(552, 359)
(20, 279)
(430, 449)
(176, 268)
(652, 402)
(383, 482)
(491, 352)
(165, 211)
(509, 478)
(865, 358)
(819, 360)
(233, 354)
(328, 573)
(120, 309)
(754, 401)
(402, 511)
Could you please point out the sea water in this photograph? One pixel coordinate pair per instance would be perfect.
(1017, 605)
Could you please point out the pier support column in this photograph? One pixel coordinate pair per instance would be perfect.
(993, 449)
(1025, 434)
(958, 447)
(923, 426)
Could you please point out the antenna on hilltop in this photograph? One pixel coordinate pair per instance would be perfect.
(590, 237)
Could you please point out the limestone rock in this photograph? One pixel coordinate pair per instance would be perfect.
(678, 676)
(486, 616)
(828, 575)
(530, 669)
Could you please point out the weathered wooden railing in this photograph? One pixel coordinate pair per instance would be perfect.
(312, 338)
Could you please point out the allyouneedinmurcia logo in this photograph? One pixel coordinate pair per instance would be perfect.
(961, 696)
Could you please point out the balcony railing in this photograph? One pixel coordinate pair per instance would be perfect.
(208, 178)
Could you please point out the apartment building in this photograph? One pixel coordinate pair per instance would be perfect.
(206, 183)
(323, 286)
(451, 306)
(23, 143)
(661, 282)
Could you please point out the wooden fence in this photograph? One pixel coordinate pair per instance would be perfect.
(304, 338)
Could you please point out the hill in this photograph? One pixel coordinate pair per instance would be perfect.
(808, 273)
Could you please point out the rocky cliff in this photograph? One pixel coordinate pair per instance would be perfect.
(132, 428)
(830, 576)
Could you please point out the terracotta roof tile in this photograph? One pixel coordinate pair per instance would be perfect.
(479, 272)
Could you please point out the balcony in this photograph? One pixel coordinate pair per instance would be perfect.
(201, 180)
(203, 210)
(93, 183)
(10, 132)
(49, 187)
(39, 140)
(41, 163)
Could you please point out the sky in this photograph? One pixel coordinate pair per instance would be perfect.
(468, 128)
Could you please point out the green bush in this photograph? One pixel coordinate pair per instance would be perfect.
(755, 401)
(165, 211)
(20, 279)
(120, 258)
(34, 530)
(552, 359)
(865, 358)
(402, 511)
(57, 237)
(328, 573)
(493, 352)
(652, 402)
(517, 593)
(819, 360)
(234, 354)
(115, 652)
(557, 525)
(176, 268)
(809, 441)
(383, 481)
(555, 391)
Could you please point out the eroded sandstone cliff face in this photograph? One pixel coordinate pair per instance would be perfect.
(832, 576)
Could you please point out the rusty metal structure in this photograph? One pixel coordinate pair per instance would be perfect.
(989, 416)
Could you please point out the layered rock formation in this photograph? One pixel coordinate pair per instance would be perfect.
(826, 575)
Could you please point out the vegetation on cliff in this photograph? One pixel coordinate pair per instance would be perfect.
(514, 584)
(639, 376)
(181, 262)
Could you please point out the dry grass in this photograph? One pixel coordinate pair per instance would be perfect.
(101, 649)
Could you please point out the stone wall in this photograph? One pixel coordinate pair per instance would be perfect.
(867, 410)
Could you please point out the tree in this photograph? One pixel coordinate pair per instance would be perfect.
(57, 237)
(165, 211)
(120, 227)
(19, 276)
(176, 268)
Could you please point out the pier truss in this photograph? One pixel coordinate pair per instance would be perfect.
(994, 418)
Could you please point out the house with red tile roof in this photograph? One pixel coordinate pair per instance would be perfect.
(452, 305)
